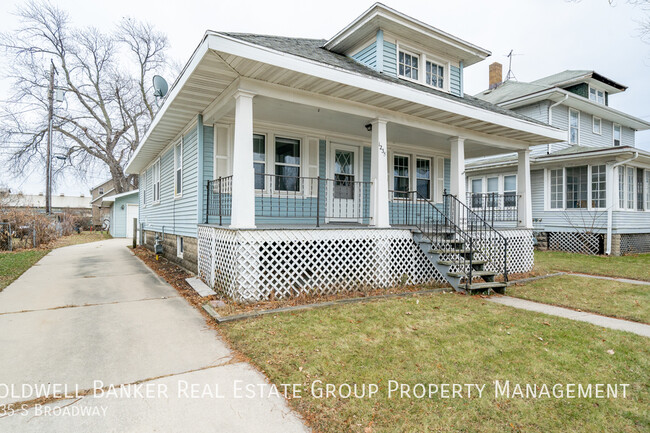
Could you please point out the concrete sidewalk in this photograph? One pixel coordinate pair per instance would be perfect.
(595, 319)
(94, 312)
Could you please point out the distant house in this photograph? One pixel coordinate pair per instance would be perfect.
(590, 192)
(98, 194)
(279, 166)
(122, 210)
(61, 204)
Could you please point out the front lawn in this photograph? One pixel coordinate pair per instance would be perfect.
(634, 266)
(12, 265)
(448, 338)
(611, 298)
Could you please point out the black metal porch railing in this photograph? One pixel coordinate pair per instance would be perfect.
(445, 225)
(494, 207)
(312, 199)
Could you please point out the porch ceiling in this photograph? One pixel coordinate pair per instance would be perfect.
(213, 68)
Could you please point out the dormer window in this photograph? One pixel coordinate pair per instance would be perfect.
(409, 65)
(597, 95)
(435, 75)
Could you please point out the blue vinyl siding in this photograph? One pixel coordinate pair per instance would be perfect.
(208, 166)
(177, 215)
(455, 81)
(390, 59)
(368, 56)
(118, 215)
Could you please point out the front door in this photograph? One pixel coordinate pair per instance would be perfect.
(343, 193)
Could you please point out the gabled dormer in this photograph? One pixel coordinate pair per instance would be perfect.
(400, 46)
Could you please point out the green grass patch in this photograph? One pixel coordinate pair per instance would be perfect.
(633, 266)
(611, 298)
(448, 339)
(12, 265)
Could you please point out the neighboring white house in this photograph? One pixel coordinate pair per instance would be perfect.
(123, 209)
(591, 193)
(278, 166)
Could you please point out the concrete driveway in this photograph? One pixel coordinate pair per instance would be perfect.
(93, 315)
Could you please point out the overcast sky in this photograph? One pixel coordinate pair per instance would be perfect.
(548, 36)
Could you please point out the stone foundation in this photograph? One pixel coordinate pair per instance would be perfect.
(542, 241)
(190, 254)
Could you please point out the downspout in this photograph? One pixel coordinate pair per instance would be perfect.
(550, 118)
(610, 211)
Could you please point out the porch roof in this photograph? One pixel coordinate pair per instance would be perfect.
(224, 62)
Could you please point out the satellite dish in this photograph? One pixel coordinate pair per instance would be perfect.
(160, 86)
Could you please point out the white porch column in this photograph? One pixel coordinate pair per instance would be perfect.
(379, 174)
(243, 173)
(611, 191)
(457, 182)
(525, 204)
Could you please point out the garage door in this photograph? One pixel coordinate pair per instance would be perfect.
(131, 213)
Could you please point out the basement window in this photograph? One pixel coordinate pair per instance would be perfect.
(180, 247)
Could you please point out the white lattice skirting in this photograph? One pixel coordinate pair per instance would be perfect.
(254, 265)
(574, 242)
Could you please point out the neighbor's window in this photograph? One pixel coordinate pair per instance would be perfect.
(435, 75)
(597, 128)
(621, 187)
(477, 192)
(423, 175)
(287, 164)
(493, 188)
(639, 189)
(598, 189)
(647, 189)
(629, 187)
(101, 191)
(557, 189)
(400, 175)
(178, 168)
(617, 134)
(259, 159)
(510, 190)
(156, 181)
(576, 187)
(408, 65)
(597, 95)
(574, 126)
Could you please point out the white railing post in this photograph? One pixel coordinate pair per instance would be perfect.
(525, 204)
(379, 174)
(243, 173)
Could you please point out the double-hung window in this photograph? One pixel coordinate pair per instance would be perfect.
(598, 188)
(156, 181)
(510, 190)
(435, 75)
(287, 164)
(617, 134)
(401, 176)
(647, 189)
(423, 177)
(477, 192)
(178, 168)
(409, 65)
(576, 187)
(597, 126)
(143, 187)
(574, 126)
(101, 191)
(621, 187)
(493, 191)
(629, 186)
(259, 159)
(597, 95)
(557, 189)
(639, 189)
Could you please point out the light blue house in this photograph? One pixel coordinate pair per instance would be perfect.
(124, 208)
(279, 166)
(591, 192)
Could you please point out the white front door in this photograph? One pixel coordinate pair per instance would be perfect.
(344, 195)
(131, 213)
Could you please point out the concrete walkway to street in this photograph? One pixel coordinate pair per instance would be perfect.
(567, 313)
(94, 315)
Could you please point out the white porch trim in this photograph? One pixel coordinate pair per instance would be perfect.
(457, 183)
(525, 207)
(379, 175)
(243, 173)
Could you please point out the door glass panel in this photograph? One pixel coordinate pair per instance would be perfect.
(344, 174)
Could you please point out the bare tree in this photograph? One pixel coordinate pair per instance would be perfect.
(106, 79)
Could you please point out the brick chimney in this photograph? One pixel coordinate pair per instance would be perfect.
(496, 75)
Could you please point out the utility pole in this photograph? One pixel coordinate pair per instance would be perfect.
(50, 117)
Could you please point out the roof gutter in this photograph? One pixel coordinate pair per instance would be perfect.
(550, 118)
(610, 199)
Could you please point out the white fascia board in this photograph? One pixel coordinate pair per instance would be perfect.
(125, 194)
(226, 44)
(603, 111)
(197, 56)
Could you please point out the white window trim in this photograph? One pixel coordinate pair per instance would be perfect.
(614, 125)
(436, 161)
(267, 188)
(590, 187)
(156, 165)
(569, 125)
(423, 57)
(600, 124)
(392, 173)
(432, 161)
(547, 189)
(597, 90)
(176, 168)
(143, 187)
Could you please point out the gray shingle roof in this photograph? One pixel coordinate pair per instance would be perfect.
(312, 49)
(562, 77)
